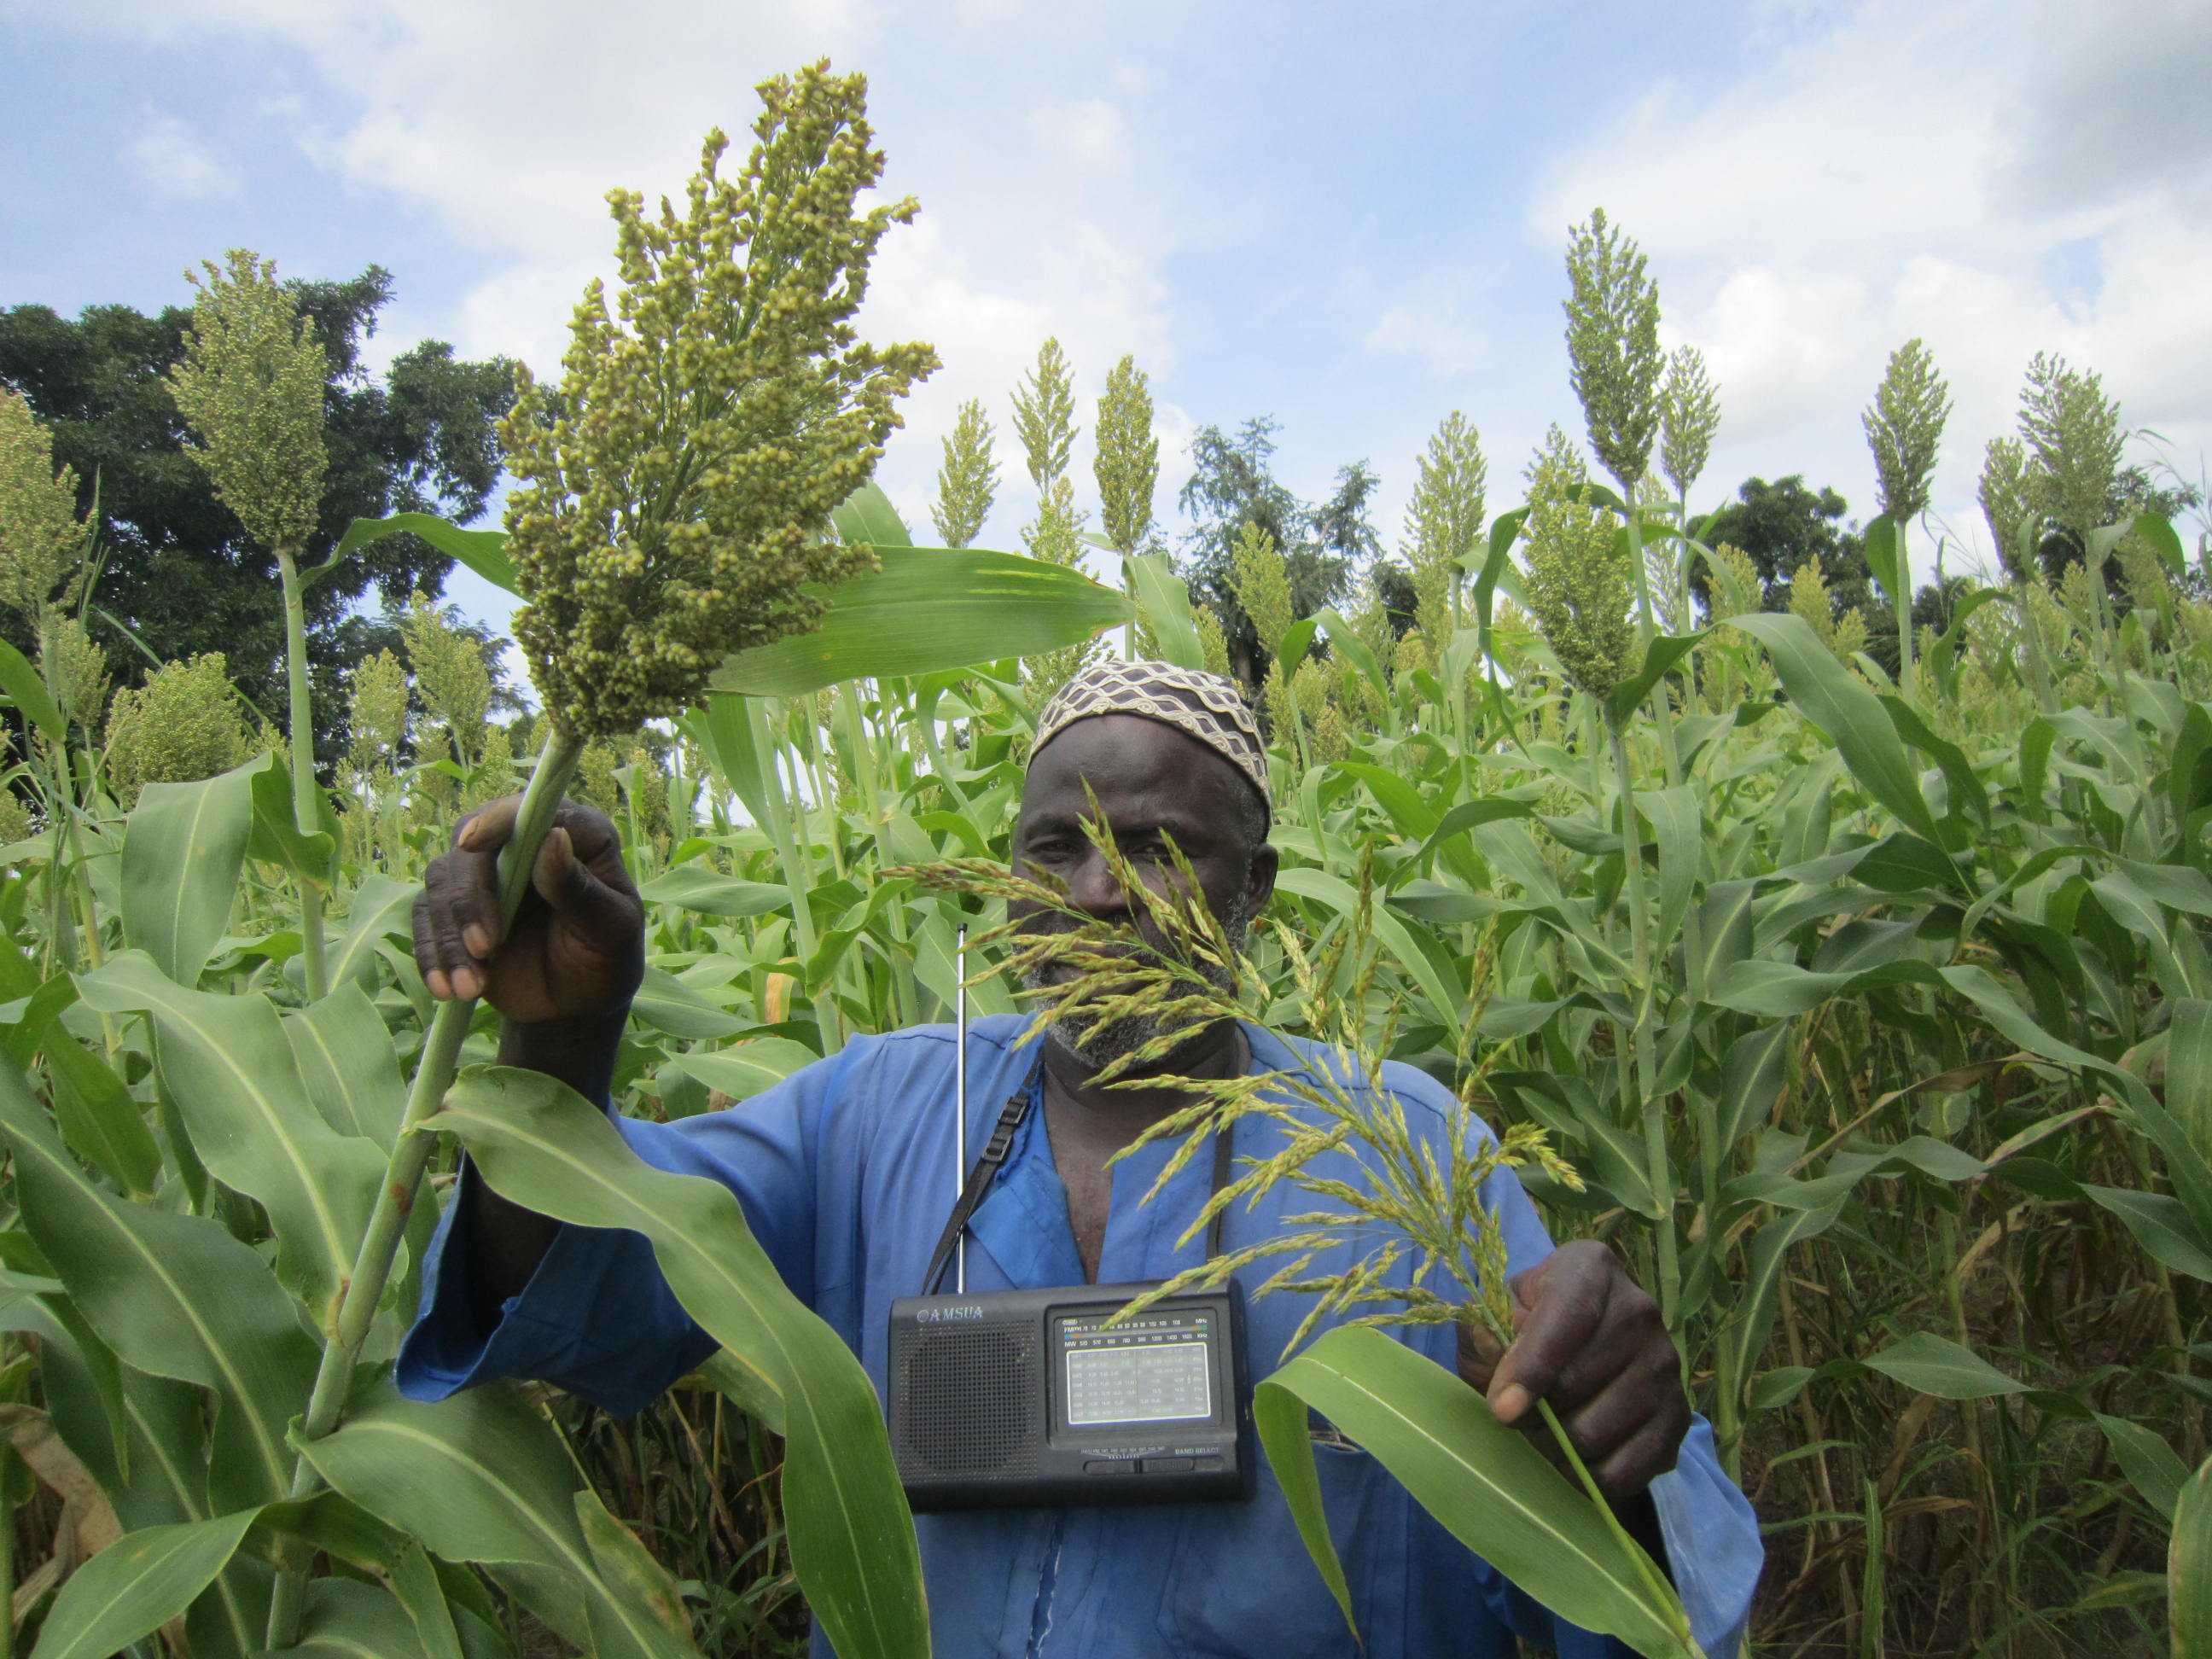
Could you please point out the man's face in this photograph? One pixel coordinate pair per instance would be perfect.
(1153, 784)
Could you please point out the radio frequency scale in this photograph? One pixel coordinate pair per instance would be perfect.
(1006, 1398)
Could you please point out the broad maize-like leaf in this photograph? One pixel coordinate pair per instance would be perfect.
(347, 1067)
(1935, 1365)
(2189, 1568)
(1482, 1481)
(138, 1584)
(175, 1295)
(230, 1068)
(927, 609)
(852, 1538)
(183, 847)
(1164, 603)
(481, 1477)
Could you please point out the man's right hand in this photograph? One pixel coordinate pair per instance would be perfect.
(577, 949)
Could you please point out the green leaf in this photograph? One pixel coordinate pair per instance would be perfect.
(1447, 1005)
(26, 689)
(1482, 1481)
(276, 838)
(1680, 830)
(346, 1617)
(867, 516)
(1885, 557)
(695, 887)
(743, 1069)
(1666, 650)
(230, 1069)
(2189, 1568)
(175, 1295)
(1826, 694)
(1164, 607)
(98, 1117)
(347, 1065)
(2147, 1461)
(483, 1477)
(851, 1535)
(380, 909)
(1777, 1388)
(624, 1562)
(484, 551)
(1342, 636)
(138, 1584)
(927, 609)
(667, 1004)
(1935, 1365)
(415, 1584)
(183, 846)
(2162, 1226)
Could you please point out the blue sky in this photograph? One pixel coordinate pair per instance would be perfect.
(1349, 218)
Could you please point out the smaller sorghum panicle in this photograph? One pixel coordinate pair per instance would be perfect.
(1689, 415)
(1613, 345)
(1127, 464)
(674, 498)
(2004, 495)
(251, 386)
(1443, 521)
(967, 481)
(42, 536)
(1904, 428)
(1578, 584)
(2073, 432)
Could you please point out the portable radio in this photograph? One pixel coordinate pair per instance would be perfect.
(1004, 1398)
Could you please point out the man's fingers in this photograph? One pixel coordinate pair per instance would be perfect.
(486, 830)
(1478, 1354)
(426, 951)
(596, 910)
(1567, 1309)
(1637, 1463)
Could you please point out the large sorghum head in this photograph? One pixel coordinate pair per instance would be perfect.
(1612, 344)
(1904, 428)
(675, 494)
(250, 386)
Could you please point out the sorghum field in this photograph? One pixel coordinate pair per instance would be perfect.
(1859, 967)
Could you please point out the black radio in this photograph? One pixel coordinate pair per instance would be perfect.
(1002, 1398)
(1018, 1397)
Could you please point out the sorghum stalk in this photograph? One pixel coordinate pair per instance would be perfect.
(410, 1155)
(304, 816)
(1651, 1105)
(250, 388)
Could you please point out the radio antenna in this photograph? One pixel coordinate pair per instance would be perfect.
(960, 1104)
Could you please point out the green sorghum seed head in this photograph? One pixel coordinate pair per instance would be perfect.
(673, 500)
(1579, 585)
(967, 481)
(1127, 464)
(1904, 428)
(250, 386)
(42, 538)
(1612, 344)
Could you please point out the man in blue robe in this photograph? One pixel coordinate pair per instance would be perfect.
(845, 1173)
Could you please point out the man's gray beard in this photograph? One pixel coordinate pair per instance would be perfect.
(1132, 1031)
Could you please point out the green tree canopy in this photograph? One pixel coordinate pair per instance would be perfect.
(1323, 543)
(180, 571)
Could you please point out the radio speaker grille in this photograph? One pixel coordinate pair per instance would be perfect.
(971, 1399)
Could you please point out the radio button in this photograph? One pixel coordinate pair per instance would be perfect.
(1109, 1465)
(1167, 1466)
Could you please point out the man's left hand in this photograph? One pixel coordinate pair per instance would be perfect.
(1591, 1342)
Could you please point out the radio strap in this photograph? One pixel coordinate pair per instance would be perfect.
(994, 1153)
(979, 1182)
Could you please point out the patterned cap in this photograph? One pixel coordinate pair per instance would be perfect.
(1200, 705)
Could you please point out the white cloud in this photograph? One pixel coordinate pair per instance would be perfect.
(1433, 328)
(176, 162)
(1901, 171)
(1089, 132)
